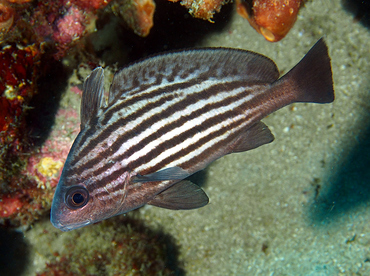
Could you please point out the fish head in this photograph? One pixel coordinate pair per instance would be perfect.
(80, 203)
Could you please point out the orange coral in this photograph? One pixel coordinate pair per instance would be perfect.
(271, 18)
(19, 1)
(6, 17)
(138, 14)
(203, 9)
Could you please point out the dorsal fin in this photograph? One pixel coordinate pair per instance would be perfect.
(220, 63)
(92, 97)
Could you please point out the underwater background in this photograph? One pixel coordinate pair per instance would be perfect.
(297, 206)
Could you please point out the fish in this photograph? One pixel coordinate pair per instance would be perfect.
(168, 116)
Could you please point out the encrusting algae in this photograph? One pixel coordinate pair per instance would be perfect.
(204, 9)
(48, 167)
(120, 246)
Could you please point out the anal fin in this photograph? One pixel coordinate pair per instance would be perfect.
(184, 195)
(255, 136)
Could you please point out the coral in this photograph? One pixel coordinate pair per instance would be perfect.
(45, 165)
(69, 27)
(65, 23)
(6, 18)
(9, 206)
(119, 246)
(28, 193)
(59, 25)
(137, 14)
(23, 205)
(40, 31)
(90, 5)
(271, 18)
(203, 9)
(53, 25)
(18, 76)
(19, 1)
(44, 170)
(48, 166)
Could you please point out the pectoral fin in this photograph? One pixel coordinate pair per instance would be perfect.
(184, 195)
(173, 173)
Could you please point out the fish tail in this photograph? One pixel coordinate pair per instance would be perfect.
(311, 79)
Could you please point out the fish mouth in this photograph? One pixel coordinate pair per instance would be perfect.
(69, 227)
(59, 221)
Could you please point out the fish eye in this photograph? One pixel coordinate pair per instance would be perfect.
(76, 197)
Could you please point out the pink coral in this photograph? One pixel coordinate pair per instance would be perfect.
(9, 206)
(76, 90)
(91, 4)
(29, 193)
(46, 166)
(70, 27)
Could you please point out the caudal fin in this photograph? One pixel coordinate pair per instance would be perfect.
(311, 80)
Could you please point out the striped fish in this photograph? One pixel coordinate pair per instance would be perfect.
(169, 116)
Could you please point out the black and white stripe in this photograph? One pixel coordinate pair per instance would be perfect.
(169, 116)
(174, 118)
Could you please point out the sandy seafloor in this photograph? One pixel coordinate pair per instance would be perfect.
(297, 206)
